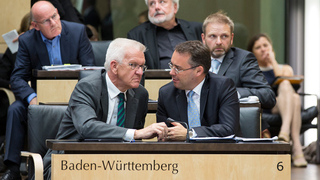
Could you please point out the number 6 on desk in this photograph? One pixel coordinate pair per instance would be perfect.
(280, 166)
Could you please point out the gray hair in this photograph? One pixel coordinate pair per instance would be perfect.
(118, 49)
(174, 1)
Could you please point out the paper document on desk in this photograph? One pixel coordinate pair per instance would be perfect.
(226, 139)
(242, 139)
(62, 67)
(9, 37)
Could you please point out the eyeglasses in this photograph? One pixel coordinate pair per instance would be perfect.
(136, 67)
(45, 22)
(177, 71)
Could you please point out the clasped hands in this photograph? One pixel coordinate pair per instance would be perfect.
(162, 132)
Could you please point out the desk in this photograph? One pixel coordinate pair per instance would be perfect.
(62, 83)
(55, 86)
(176, 160)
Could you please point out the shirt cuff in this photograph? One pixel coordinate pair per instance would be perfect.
(31, 96)
(239, 96)
(129, 136)
(194, 134)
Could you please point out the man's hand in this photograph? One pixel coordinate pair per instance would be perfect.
(159, 130)
(33, 101)
(177, 132)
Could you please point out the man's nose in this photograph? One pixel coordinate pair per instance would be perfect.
(218, 40)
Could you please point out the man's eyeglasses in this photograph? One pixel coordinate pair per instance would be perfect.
(177, 71)
(54, 17)
(136, 67)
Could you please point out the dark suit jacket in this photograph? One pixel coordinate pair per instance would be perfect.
(242, 67)
(87, 112)
(146, 34)
(219, 106)
(6, 68)
(33, 54)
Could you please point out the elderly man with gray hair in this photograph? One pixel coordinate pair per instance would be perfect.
(110, 103)
(163, 32)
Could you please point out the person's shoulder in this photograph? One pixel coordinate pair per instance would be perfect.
(92, 77)
(140, 28)
(28, 34)
(72, 24)
(239, 53)
(218, 80)
(141, 89)
(190, 23)
(168, 88)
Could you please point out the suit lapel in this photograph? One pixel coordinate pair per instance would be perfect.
(227, 61)
(131, 108)
(42, 51)
(152, 44)
(104, 101)
(64, 44)
(181, 100)
(186, 31)
(204, 96)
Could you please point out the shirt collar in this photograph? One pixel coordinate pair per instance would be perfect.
(44, 39)
(220, 59)
(178, 25)
(197, 89)
(113, 91)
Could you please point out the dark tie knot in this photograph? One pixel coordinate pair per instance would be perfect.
(121, 96)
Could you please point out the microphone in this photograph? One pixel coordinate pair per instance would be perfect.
(170, 120)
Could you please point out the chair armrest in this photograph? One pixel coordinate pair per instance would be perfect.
(38, 164)
(10, 95)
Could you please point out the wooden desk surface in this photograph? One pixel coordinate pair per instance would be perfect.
(169, 147)
(68, 74)
(43, 74)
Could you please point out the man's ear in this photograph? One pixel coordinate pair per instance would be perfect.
(114, 66)
(199, 70)
(35, 25)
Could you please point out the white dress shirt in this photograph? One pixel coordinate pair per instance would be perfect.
(112, 118)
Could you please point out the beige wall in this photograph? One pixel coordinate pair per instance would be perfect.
(11, 14)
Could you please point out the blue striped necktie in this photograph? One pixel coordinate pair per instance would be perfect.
(215, 65)
(193, 113)
(121, 111)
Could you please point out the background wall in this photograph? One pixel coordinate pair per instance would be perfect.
(11, 14)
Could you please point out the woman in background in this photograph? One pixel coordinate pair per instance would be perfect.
(288, 101)
(6, 67)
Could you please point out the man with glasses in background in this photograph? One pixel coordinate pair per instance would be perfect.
(207, 102)
(110, 103)
(163, 32)
(51, 42)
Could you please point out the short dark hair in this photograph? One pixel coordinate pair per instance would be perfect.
(200, 54)
(256, 38)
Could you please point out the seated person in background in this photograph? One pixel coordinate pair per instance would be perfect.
(163, 32)
(143, 17)
(51, 42)
(288, 101)
(235, 63)
(91, 116)
(208, 103)
(6, 68)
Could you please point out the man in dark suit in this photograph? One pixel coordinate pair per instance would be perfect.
(51, 42)
(235, 63)
(92, 111)
(207, 102)
(163, 32)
